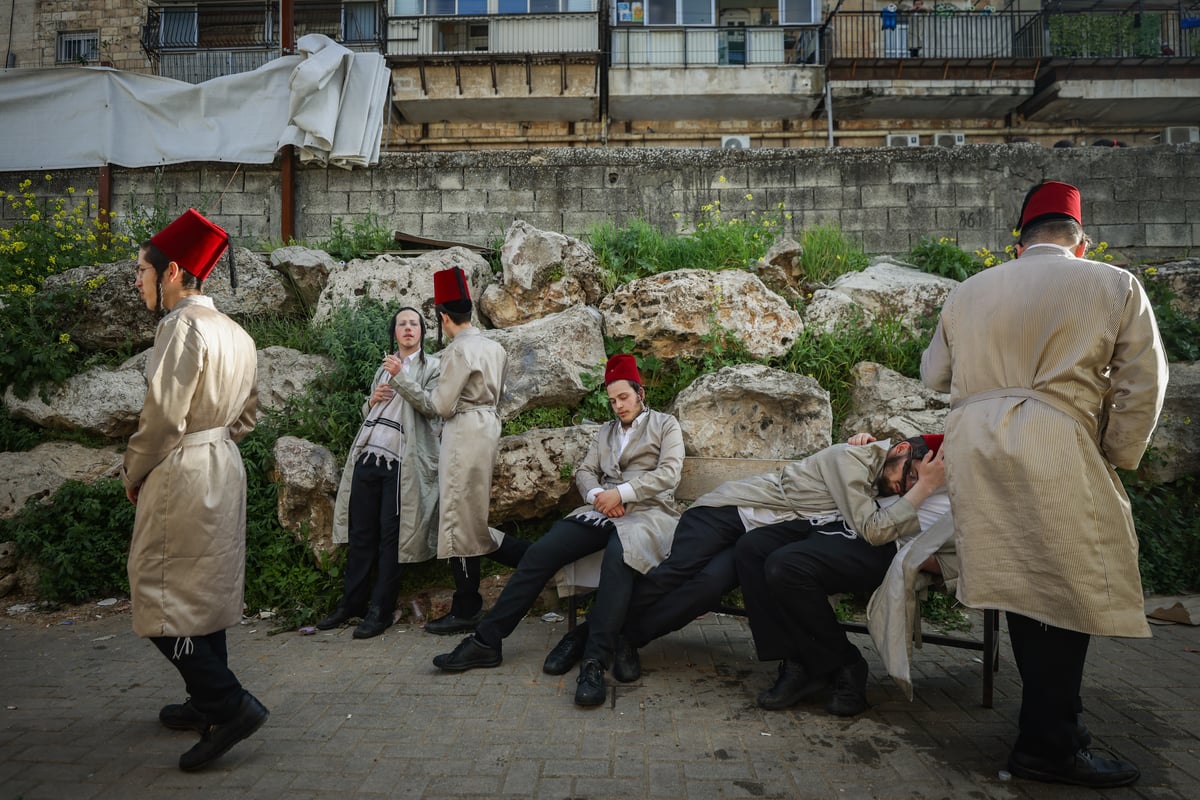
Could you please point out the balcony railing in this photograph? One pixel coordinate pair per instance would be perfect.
(494, 34)
(1012, 34)
(199, 43)
(661, 46)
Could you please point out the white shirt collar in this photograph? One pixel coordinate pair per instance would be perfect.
(1066, 251)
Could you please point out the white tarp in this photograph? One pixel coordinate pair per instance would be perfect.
(328, 101)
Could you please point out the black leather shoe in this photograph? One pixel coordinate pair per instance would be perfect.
(450, 624)
(183, 717)
(627, 666)
(217, 739)
(566, 653)
(793, 685)
(590, 690)
(1085, 768)
(469, 654)
(339, 617)
(374, 623)
(849, 690)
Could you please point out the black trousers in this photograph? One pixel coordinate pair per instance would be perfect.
(1050, 661)
(467, 600)
(787, 572)
(203, 662)
(566, 541)
(374, 535)
(691, 580)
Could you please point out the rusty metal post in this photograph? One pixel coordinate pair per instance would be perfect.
(287, 166)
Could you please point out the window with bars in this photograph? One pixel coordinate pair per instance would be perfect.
(79, 47)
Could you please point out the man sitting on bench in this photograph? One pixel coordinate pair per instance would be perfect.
(809, 495)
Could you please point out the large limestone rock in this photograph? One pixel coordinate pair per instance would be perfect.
(887, 290)
(753, 411)
(284, 373)
(677, 313)
(115, 315)
(780, 270)
(1183, 278)
(102, 401)
(535, 472)
(306, 270)
(885, 403)
(308, 482)
(408, 281)
(1176, 442)
(260, 293)
(829, 311)
(549, 358)
(544, 273)
(41, 471)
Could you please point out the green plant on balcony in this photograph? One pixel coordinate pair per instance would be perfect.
(1107, 36)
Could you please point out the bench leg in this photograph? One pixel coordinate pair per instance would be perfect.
(991, 653)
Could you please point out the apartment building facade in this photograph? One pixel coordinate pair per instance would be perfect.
(469, 74)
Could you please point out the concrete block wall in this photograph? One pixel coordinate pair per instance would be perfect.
(1144, 199)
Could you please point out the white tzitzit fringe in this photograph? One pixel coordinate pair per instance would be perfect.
(183, 647)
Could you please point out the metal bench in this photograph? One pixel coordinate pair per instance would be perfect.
(701, 475)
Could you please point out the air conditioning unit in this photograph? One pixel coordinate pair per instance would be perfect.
(735, 142)
(1180, 135)
(903, 140)
(949, 139)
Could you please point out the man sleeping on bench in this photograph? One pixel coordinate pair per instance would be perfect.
(821, 515)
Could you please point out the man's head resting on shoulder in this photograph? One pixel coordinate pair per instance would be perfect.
(901, 467)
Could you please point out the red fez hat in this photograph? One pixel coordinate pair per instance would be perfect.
(1050, 200)
(622, 367)
(450, 290)
(194, 243)
(925, 443)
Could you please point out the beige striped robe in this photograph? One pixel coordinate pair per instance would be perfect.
(1043, 525)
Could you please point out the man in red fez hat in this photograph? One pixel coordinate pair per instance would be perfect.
(789, 539)
(466, 397)
(1056, 375)
(184, 473)
(628, 479)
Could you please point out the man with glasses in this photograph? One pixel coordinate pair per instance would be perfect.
(788, 570)
(830, 495)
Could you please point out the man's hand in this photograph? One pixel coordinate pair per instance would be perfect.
(132, 493)
(609, 503)
(382, 394)
(392, 364)
(861, 438)
(932, 471)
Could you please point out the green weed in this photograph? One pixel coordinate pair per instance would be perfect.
(943, 257)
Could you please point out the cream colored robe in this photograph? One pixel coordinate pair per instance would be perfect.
(468, 391)
(187, 558)
(1043, 524)
(418, 468)
(839, 479)
(651, 464)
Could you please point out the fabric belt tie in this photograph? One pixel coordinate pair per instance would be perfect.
(205, 437)
(490, 408)
(1088, 421)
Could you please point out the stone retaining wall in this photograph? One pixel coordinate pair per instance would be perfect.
(1145, 199)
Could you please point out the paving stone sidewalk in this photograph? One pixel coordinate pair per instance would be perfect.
(374, 719)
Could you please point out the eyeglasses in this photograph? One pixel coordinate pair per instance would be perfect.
(140, 270)
(910, 475)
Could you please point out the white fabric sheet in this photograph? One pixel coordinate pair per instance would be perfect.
(328, 101)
